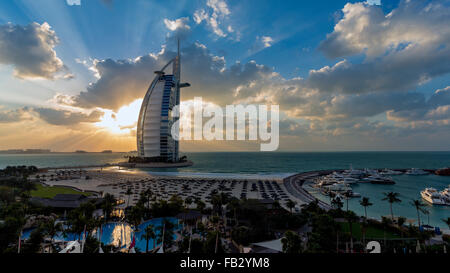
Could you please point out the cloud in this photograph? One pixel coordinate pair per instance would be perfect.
(214, 17)
(12, 116)
(65, 117)
(123, 81)
(30, 50)
(373, 2)
(267, 41)
(179, 28)
(73, 2)
(180, 23)
(435, 108)
(402, 49)
(51, 116)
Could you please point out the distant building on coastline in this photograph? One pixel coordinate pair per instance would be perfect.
(27, 151)
(154, 139)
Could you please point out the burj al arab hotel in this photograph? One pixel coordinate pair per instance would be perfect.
(154, 140)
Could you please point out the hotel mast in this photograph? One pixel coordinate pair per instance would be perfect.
(154, 140)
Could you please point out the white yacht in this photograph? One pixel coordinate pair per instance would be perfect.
(378, 179)
(340, 187)
(445, 195)
(349, 180)
(432, 196)
(353, 173)
(390, 172)
(415, 171)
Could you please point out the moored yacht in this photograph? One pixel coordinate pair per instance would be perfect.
(414, 171)
(339, 187)
(432, 196)
(390, 172)
(445, 195)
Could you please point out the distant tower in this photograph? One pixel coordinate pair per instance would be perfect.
(154, 139)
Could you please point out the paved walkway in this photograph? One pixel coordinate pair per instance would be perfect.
(294, 185)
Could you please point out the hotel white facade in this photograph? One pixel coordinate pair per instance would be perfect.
(154, 139)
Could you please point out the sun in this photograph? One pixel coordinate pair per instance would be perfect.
(123, 121)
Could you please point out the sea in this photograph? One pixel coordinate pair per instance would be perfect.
(277, 165)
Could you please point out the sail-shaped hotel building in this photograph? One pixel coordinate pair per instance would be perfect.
(154, 140)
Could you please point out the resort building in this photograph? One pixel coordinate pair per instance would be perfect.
(154, 139)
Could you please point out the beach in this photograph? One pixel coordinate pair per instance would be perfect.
(117, 181)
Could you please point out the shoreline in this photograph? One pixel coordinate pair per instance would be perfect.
(164, 185)
(292, 183)
(117, 181)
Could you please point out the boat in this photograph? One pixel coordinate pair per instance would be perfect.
(445, 195)
(378, 179)
(371, 172)
(432, 196)
(390, 172)
(382, 180)
(355, 194)
(349, 180)
(339, 187)
(415, 171)
(353, 173)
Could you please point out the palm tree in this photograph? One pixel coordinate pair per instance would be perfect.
(218, 200)
(347, 197)
(200, 205)
(109, 201)
(292, 243)
(215, 201)
(386, 223)
(234, 204)
(134, 215)
(167, 230)
(392, 197)
(365, 202)
(51, 228)
(188, 202)
(364, 226)
(148, 234)
(129, 192)
(147, 196)
(337, 203)
(351, 218)
(419, 208)
(224, 199)
(332, 195)
(400, 222)
(290, 204)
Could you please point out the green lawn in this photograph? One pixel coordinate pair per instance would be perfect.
(50, 192)
(371, 232)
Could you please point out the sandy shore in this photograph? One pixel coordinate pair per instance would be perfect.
(117, 182)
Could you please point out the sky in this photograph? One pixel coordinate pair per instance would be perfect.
(347, 75)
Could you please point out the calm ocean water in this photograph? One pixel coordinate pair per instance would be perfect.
(277, 165)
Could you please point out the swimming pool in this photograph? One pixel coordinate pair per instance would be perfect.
(119, 234)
